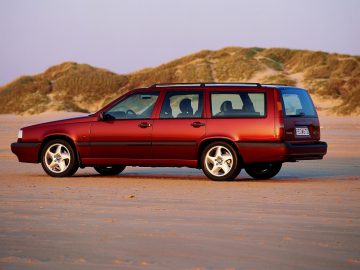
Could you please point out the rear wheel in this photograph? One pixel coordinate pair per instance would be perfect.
(264, 170)
(220, 162)
(109, 170)
(58, 159)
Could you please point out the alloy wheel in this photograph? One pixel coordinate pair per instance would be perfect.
(57, 158)
(219, 161)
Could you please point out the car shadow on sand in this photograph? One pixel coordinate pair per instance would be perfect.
(191, 177)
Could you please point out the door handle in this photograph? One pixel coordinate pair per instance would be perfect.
(144, 125)
(197, 124)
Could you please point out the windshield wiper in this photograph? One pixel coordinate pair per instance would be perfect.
(297, 115)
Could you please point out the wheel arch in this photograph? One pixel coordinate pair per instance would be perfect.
(207, 141)
(61, 137)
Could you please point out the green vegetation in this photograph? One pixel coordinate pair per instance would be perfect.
(80, 87)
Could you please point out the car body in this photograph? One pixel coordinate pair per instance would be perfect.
(252, 126)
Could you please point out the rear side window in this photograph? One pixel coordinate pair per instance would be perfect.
(182, 105)
(237, 104)
(297, 103)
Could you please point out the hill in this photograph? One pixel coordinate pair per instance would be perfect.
(80, 87)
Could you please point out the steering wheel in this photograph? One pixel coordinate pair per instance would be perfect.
(130, 113)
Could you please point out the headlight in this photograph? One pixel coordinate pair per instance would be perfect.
(20, 134)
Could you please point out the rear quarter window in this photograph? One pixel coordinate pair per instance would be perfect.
(237, 104)
(297, 103)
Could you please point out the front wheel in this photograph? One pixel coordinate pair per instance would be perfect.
(220, 162)
(58, 159)
(263, 170)
(110, 170)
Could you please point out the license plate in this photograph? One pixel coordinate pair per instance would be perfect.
(302, 131)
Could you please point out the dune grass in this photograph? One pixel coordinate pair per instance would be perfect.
(80, 87)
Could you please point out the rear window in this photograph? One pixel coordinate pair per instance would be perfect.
(237, 104)
(297, 103)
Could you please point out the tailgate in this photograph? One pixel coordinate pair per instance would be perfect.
(301, 122)
(304, 129)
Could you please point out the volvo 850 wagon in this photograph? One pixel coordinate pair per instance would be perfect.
(220, 128)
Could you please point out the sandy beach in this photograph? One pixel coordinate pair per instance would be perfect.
(308, 217)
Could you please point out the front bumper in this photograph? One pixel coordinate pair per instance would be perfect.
(26, 151)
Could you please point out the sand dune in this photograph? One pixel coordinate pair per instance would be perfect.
(150, 218)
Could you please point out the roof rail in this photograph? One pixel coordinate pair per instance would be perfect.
(274, 84)
(176, 84)
(205, 84)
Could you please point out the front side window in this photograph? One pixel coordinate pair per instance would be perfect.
(237, 104)
(136, 106)
(182, 105)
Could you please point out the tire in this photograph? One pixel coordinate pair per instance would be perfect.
(59, 159)
(220, 162)
(109, 170)
(263, 170)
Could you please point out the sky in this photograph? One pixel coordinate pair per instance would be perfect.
(127, 35)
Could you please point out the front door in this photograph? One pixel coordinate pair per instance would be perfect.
(180, 126)
(125, 132)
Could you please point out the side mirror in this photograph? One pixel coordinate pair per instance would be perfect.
(101, 116)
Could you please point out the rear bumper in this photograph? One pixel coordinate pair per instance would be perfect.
(26, 152)
(252, 152)
(305, 151)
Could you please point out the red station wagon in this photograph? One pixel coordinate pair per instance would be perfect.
(218, 127)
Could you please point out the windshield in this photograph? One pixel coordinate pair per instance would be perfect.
(297, 103)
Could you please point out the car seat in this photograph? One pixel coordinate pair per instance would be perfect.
(186, 109)
(166, 111)
(226, 108)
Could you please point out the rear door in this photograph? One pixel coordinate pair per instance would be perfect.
(180, 126)
(301, 122)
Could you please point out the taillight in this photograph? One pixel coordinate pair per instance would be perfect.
(279, 107)
(280, 130)
(278, 104)
(316, 133)
(279, 118)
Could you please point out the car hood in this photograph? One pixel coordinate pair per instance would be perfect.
(71, 120)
